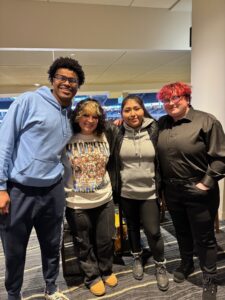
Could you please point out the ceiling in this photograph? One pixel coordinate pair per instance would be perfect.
(115, 71)
(181, 5)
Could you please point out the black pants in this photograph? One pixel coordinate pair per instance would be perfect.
(92, 231)
(193, 213)
(147, 213)
(43, 209)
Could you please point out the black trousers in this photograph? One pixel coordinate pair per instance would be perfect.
(43, 209)
(93, 230)
(193, 213)
(145, 212)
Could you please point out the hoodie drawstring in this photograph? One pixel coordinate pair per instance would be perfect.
(137, 144)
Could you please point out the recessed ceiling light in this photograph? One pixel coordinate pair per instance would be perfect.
(37, 84)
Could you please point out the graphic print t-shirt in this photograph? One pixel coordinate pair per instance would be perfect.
(89, 183)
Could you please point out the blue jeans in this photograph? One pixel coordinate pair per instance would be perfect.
(92, 231)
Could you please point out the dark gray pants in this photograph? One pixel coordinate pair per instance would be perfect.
(43, 209)
(193, 213)
(92, 231)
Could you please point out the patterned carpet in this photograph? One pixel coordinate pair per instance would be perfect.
(128, 287)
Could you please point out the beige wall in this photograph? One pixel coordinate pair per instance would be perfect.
(208, 63)
(37, 24)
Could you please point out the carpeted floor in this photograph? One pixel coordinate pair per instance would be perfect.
(128, 287)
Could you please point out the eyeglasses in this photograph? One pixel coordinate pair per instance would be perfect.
(64, 79)
(173, 99)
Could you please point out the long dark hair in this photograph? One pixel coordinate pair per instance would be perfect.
(77, 113)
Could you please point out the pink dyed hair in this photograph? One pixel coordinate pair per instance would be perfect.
(177, 88)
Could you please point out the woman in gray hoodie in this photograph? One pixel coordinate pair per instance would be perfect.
(138, 183)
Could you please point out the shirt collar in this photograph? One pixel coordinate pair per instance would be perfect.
(190, 114)
(188, 118)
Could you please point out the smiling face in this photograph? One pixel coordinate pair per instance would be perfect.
(63, 89)
(176, 99)
(133, 113)
(88, 118)
(88, 123)
(176, 109)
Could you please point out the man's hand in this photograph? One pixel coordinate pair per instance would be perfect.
(4, 202)
(118, 122)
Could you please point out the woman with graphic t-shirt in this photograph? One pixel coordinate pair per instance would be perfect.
(90, 209)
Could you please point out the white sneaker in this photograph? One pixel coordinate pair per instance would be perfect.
(56, 296)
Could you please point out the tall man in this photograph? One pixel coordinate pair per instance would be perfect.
(33, 135)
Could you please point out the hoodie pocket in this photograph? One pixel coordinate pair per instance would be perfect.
(139, 179)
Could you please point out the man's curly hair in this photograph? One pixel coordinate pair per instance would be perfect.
(66, 63)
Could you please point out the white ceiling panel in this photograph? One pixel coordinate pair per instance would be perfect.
(97, 2)
(28, 75)
(154, 3)
(21, 70)
(93, 57)
(117, 73)
(27, 68)
(182, 5)
(150, 58)
(176, 69)
(21, 58)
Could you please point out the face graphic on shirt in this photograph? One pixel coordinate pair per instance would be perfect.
(88, 162)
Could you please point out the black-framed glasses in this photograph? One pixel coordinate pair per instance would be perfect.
(173, 99)
(64, 79)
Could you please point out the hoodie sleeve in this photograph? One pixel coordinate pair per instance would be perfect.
(9, 133)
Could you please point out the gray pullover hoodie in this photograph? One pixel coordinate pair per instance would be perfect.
(138, 168)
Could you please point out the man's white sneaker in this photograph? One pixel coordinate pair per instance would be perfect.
(56, 296)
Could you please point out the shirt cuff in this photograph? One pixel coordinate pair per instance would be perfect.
(3, 185)
(208, 181)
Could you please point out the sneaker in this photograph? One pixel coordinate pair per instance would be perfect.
(98, 288)
(161, 276)
(111, 280)
(209, 288)
(56, 296)
(182, 272)
(138, 271)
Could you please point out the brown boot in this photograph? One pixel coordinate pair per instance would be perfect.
(138, 270)
(161, 275)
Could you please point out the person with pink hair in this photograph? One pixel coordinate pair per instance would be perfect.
(191, 149)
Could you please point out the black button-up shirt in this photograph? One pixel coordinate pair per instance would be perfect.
(193, 146)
